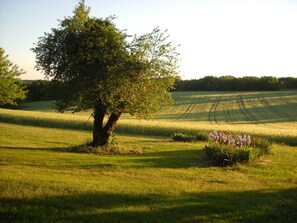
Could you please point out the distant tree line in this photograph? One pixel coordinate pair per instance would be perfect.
(230, 83)
(40, 90)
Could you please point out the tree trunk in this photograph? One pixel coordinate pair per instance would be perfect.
(99, 114)
(102, 134)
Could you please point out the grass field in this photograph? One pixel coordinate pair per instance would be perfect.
(41, 181)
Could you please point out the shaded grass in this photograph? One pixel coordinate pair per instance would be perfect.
(169, 182)
(47, 106)
(248, 206)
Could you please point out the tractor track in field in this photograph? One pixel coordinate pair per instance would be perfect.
(236, 108)
(212, 112)
(244, 110)
(274, 110)
(189, 109)
(230, 117)
(291, 107)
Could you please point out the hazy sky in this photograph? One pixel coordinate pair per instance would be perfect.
(217, 37)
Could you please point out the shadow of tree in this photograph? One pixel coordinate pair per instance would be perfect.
(226, 206)
(173, 159)
(163, 159)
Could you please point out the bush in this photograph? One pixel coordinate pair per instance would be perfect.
(262, 144)
(224, 155)
(109, 149)
(224, 150)
(182, 137)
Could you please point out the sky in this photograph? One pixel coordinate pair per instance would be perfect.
(216, 37)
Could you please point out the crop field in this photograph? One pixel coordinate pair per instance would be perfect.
(234, 107)
(272, 114)
(43, 180)
(266, 113)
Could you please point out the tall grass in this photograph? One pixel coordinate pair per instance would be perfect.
(143, 127)
(269, 114)
(43, 119)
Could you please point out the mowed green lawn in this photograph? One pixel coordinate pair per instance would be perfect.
(168, 182)
(41, 181)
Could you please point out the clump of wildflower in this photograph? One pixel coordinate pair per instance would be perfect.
(224, 149)
(223, 138)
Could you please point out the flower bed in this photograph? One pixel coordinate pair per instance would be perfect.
(224, 149)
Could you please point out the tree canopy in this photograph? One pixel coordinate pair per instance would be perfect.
(101, 70)
(11, 88)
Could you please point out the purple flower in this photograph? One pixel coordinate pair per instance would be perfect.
(230, 140)
(223, 138)
(239, 140)
(249, 140)
(213, 136)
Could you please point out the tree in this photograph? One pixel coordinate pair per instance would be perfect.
(100, 70)
(11, 88)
